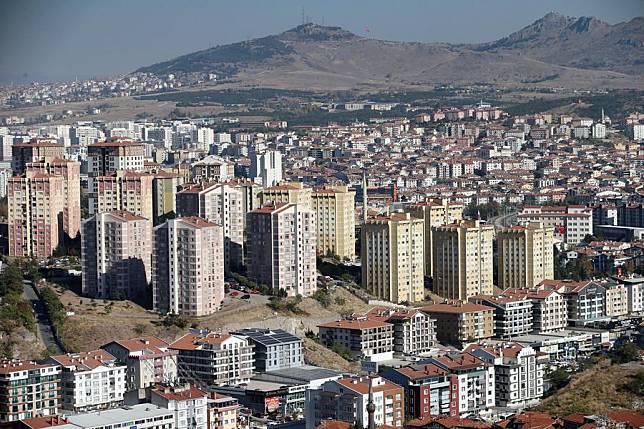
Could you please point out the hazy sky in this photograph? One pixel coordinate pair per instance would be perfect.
(62, 39)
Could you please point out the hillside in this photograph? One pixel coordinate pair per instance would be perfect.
(554, 50)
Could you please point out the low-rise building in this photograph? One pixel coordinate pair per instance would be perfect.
(346, 400)
(28, 389)
(414, 331)
(585, 301)
(214, 359)
(274, 349)
(360, 336)
(518, 373)
(149, 361)
(222, 411)
(90, 380)
(428, 390)
(460, 323)
(188, 404)
(549, 311)
(512, 315)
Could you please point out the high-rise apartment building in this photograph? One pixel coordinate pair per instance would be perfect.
(281, 248)
(118, 154)
(462, 255)
(70, 172)
(266, 168)
(164, 191)
(116, 255)
(124, 190)
(35, 207)
(335, 215)
(188, 267)
(37, 150)
(392, 256)
(525, 255)
(222, 204)
(435, 212)
(288, 192)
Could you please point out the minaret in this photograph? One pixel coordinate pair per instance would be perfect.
(365, 207)
(603, 115)
(371, 407)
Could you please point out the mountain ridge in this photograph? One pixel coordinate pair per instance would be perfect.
(556, 49)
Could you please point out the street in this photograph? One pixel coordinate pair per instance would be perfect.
(43, 328)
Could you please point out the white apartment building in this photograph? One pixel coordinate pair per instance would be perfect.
(266, 168)
(281, 248)
(90, 380)
(475, 381)
(119, 154)
(616, 299)
(149, 361)
(549, 309)
(188, 267)
(570, 223)
(414, 331)
(346, 400)
(188, 403)
(116, 254)
(463, 259)
(512, 315)
(393, 257)
(635, 293)
(222, 204)
(209, 358)
(518, 373)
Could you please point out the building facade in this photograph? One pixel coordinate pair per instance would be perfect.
(335, 219)
(393, 259)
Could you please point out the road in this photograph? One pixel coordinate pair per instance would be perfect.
(507, 219)
(43, 326)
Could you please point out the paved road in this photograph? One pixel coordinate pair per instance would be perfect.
(43, 326)
(508, 219)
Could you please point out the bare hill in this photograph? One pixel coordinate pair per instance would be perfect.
(554, 50)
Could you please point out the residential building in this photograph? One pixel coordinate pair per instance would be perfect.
(585, 301)
(288, 192)
(149, 361)
(164, 191)
(209, 358)
(266, 168)
(335, 218)
(281, 248)
(28, 389)
(570, 223)
(274, 349)
(212, 169)
(360, 336)
(414, 331)
(512, 314)
(549, 312)
(124, 190)
(435, 212)
(429, 390)
(221, 204)
(116, 255)
(346, 400)
(222, 411)
(525, 255)
(463, 259)
(36, 150)
(105, 158)
(634, 291)
(188, 403)
(474, 380)
(518, 372)
(70, 172)
(188, 267)
(90, 380)
(392, 258)
(35, 211)
(460, 323)
(616, 299)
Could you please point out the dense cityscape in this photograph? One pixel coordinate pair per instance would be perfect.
(470, 256)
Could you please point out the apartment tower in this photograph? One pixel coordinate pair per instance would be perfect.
(335, 215)
(525, 255)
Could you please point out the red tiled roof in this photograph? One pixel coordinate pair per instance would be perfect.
(467, 307)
